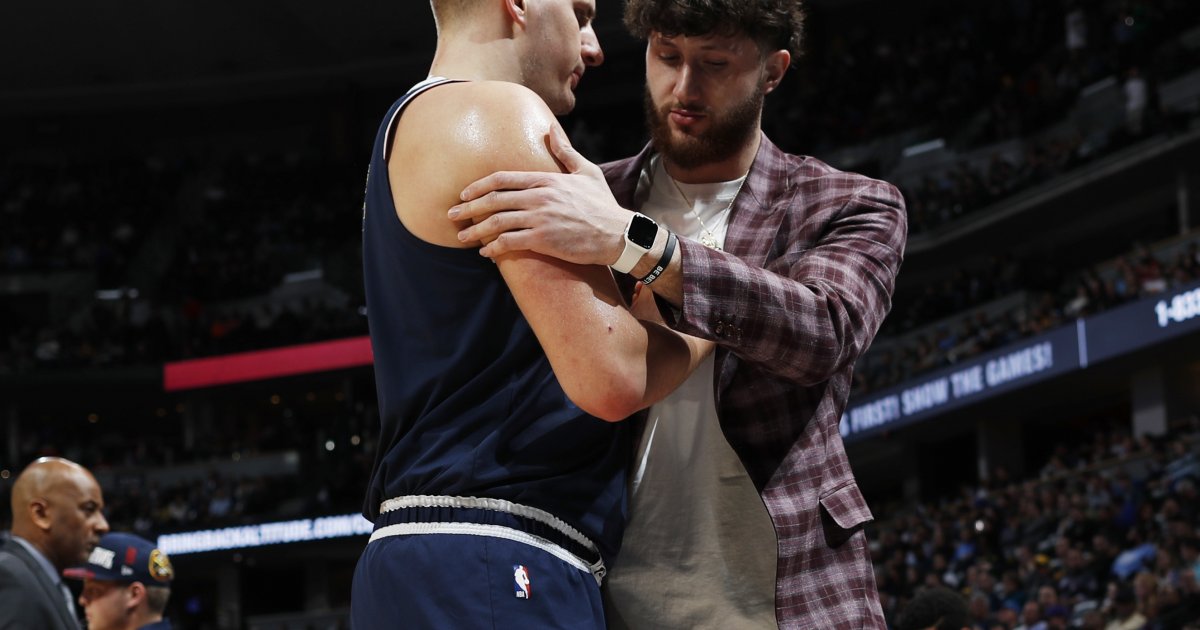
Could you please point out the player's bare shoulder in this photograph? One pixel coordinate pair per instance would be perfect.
(492, 124)
(455, 134)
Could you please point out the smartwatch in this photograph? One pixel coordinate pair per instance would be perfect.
(639, 238)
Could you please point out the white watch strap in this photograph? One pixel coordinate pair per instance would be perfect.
(629, 257)
(633, 252)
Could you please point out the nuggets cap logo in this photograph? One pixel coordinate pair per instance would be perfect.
(160, 566)
(521, 581)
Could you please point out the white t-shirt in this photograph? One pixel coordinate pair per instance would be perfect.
(699, 550)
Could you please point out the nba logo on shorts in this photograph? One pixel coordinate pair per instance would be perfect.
(521, 581)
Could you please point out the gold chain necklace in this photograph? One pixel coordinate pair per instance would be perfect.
(708, 239)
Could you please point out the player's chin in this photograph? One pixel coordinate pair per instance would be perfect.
(564, 104)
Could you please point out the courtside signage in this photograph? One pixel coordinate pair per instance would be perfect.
(998, 371)
(1128, 328)
(1144, 323)
(261, 535)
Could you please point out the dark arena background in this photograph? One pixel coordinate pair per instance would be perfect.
(182, 311)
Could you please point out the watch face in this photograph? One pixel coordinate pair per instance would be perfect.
(642, 231)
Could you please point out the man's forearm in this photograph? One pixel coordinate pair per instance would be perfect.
(807, 312)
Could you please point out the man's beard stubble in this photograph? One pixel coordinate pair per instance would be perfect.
(725, 136)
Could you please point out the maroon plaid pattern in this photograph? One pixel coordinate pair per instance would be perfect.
(805, 281)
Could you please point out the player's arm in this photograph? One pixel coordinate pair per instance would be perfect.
(806, 315)
(607, 361)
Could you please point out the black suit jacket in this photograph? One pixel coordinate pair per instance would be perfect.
(29, 600)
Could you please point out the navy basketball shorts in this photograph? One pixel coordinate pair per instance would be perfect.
(451, 581)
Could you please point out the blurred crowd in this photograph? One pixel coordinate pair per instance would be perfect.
(253, 219)
(214, 243)
(1106, 537)
(993, 71)
(61, 213)
(250, 469)
(1131, 42)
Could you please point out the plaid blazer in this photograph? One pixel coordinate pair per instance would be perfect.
(805, 280)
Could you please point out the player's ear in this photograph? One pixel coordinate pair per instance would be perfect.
(516, 10)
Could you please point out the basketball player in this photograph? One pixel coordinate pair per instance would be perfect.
(499, 485)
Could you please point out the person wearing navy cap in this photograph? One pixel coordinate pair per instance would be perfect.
(126, 584)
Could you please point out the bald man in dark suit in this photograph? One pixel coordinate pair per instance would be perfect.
(57, 521)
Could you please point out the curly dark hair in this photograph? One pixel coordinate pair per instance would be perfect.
(936, 607)
(773, 24)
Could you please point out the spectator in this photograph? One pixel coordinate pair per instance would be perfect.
(1031, 617)
(937, 608)
(1057, 617)
(1125, 615)
(1077, 582)
(126, 584)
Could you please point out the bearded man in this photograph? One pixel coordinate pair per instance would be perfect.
(744, 511)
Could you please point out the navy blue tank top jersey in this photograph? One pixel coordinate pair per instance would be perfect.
(468, 403)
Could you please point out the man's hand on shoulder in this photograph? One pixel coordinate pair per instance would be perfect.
(571, 216)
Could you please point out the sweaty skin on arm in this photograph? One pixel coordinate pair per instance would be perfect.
(607, 361)
(571, 217)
